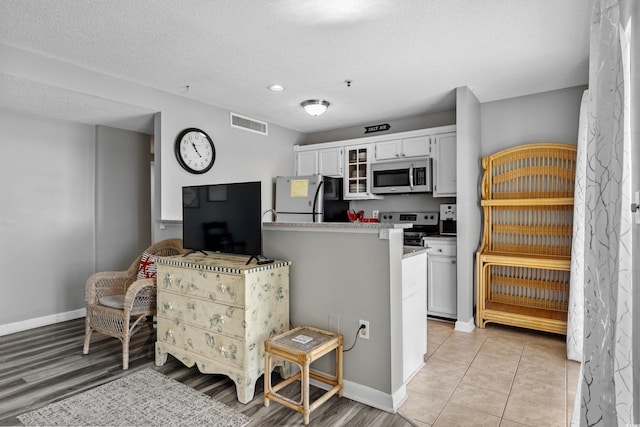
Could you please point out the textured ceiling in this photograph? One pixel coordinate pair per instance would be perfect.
(405, 58)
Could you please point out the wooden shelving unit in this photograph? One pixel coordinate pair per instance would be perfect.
(524, 259)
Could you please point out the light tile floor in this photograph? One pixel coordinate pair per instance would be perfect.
(497, 376)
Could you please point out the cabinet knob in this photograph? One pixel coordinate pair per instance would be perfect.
(223, 351)
(168, 306)
(222, 287)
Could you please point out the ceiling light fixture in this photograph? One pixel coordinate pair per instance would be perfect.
(276, 88)
(315, 107)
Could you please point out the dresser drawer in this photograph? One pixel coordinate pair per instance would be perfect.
(203, 313)
(211, 285)
(218, 348)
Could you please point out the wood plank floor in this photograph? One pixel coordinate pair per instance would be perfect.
(46, 364)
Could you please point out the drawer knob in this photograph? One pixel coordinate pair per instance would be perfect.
(217, 319)
(223, 351)
(211, 340)
(167, 306)
(222, 287)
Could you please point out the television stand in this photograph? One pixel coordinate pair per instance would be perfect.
(213, 314)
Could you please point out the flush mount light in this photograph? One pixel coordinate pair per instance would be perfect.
(276, 88)
(315, 107)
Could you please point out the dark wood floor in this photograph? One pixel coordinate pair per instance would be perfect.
(46, 364)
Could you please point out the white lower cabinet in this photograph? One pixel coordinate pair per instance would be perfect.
(441, 286)
(442, 283)
(414, 314)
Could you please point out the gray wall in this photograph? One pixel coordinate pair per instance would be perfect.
(47, 215)
(542, 117)
(424, 121)
(75, 200)
(123, 197)
(469, 211)
(346, 274)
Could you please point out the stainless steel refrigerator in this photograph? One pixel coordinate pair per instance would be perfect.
(310, 198)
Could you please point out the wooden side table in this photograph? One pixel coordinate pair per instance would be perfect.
(302, 354)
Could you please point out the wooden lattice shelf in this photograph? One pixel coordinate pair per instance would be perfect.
(524, 259)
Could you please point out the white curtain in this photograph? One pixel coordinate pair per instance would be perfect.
(602, 253)
(575, 321)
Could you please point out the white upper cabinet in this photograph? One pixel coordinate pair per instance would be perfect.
(417, 146)
(326, 161)
(444, 164)
(331, 162)
(306, 162)
(332, 159)
(386, 150)
(357, 183)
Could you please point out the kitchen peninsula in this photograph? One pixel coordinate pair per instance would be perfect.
(342, 273)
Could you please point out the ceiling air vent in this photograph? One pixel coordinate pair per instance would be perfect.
(241, 122)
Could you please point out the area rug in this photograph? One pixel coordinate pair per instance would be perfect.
(144, 398)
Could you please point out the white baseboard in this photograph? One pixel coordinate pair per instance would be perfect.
(24, 325)
(369, 396)
(466, 326)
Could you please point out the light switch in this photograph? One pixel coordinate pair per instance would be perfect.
(636, 203)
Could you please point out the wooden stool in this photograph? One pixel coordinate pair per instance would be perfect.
(302, 354)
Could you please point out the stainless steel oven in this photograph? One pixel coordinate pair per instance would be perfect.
(406, 176)
(423, 224)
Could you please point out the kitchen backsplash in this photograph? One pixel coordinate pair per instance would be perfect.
(401, 203)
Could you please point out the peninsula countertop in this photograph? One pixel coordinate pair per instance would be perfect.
(333, 225)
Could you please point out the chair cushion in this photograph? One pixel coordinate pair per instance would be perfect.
(113, 301)
(148, 267)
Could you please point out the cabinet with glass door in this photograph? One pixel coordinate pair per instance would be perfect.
(357, 182)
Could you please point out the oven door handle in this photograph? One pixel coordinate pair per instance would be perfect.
(411, 176)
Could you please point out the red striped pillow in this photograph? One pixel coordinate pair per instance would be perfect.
(148, 267)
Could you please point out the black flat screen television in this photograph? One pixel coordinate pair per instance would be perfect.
(223, 218)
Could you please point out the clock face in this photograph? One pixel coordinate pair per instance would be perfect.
(195, 150)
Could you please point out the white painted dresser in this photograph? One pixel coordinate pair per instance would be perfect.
(216, 312)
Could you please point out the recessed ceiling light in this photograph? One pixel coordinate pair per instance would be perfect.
(276, 88)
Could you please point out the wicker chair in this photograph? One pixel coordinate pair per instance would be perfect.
(118, 303)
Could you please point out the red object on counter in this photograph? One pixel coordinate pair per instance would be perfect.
(353, 216)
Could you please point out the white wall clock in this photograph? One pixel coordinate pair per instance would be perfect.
(195, 150)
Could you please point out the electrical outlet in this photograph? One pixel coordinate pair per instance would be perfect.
(364, 333)
(375, 213)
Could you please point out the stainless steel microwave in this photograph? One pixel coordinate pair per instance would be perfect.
(405, 176)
